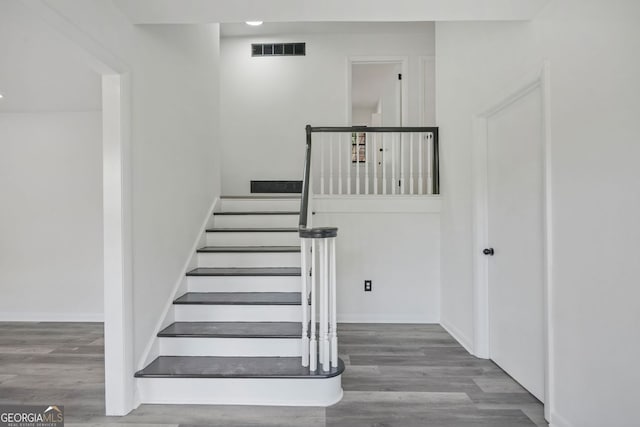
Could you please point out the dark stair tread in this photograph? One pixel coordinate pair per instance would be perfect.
(249, 249)
(233, 330)
(249, 271)
(253, 230)
(240, 298)
(258, 213)
(233, 367)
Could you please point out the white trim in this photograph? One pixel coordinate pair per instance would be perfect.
(242, 391)
(50, 317)
(539, 80)
(558, 421)
(404, 86)
(376, 204)
(457, 335)
(117, 218)
(422, 89)
(152, 349)
(385, 318)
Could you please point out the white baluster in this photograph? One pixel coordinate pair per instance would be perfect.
(322, 149)
(375, 162)
(332, 287)
(401, 153)
(357, 163)
(385, 137)
(367, 162)
(350, 162)
(339, 163)
(429, 163)
(313, 347)
(411, 163)
(331, 173)
(304, 272)
(324, 306)
(420, 163)
(394, 147)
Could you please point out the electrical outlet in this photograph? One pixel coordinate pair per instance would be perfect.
(367, 285)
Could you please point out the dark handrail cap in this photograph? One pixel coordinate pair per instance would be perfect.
(318, 232)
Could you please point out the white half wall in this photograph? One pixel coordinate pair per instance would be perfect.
(51, 217)
(591, 47)
(268, 101)
(395, 243)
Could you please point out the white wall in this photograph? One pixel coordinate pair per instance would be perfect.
(267, 102)
(592, 50)
(173, 74)
(51, 216)
(393, 241)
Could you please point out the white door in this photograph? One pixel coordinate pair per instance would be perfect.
(515, 219)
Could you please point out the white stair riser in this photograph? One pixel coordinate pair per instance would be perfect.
(237, 313)
(222, 238)
(241, 391)
(230, 347)
(260, 205)
(249, 259)
(255, 221)
(244, 283)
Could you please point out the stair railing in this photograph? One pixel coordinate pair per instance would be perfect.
(318, 290)
(361, 160)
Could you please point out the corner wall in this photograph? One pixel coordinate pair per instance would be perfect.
(51, 217)
(592, 50)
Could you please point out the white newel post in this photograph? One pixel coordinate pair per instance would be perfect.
(319, 348)
(304, 272)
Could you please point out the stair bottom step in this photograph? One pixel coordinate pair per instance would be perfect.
(241, 391)
(233, 367)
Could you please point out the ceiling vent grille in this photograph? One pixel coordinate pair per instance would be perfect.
(278, 49)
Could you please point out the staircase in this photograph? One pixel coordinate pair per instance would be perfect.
(236, 334)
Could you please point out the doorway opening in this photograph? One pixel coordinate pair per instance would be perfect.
(377, 98)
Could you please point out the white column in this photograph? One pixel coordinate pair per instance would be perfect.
(313, 345)
(324, 306)
(375, 162)
(332, 290)
(394, 181)
(304, 272)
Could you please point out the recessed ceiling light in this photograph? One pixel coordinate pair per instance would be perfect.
(254, 23)
(1, 96)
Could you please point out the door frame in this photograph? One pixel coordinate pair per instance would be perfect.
(537, 80)
(404, 86)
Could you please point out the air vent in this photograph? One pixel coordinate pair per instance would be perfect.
(278, 49)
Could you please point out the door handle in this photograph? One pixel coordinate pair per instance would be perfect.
(488, 251)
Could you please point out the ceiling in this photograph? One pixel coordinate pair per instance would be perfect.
(225, 11)
(276, 28)
(40, 71)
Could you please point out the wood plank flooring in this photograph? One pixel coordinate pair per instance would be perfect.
(396, 375)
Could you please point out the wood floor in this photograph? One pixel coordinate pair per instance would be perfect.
(396, 375)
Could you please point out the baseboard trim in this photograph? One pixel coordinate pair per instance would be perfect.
(51, 317)
(457, 335)
(558, 421)
(360, 318)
